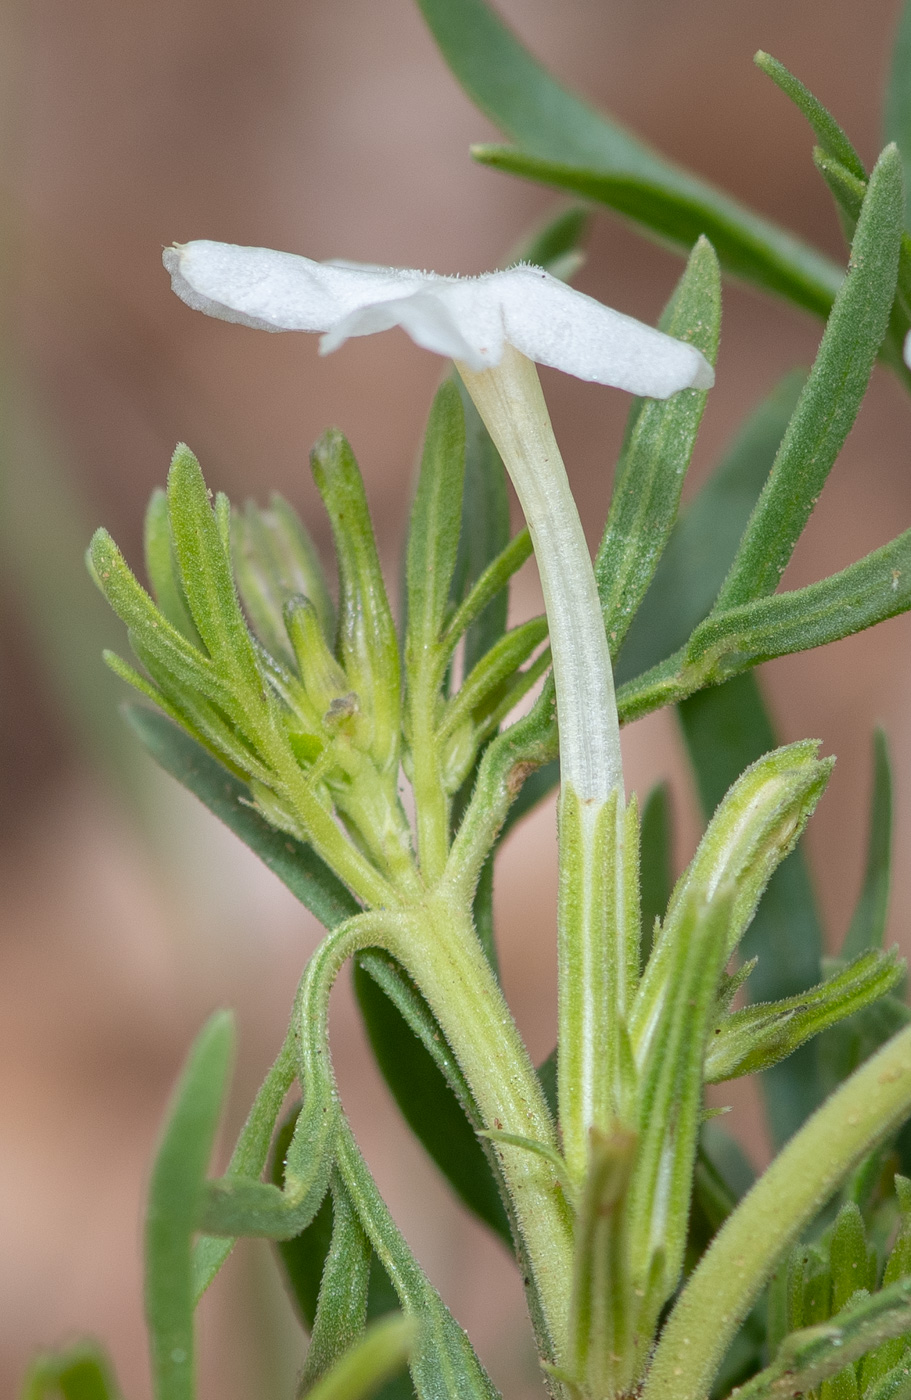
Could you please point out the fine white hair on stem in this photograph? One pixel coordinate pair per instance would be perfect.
(470, 319)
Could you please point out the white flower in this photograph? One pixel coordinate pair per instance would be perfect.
(469, 319)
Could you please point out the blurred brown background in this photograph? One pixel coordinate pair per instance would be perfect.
(331, 129)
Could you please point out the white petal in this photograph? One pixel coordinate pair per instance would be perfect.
(906, 352)
(276, 291)
(557, 326)
(468, 319)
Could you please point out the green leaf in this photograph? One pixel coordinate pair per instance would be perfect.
(845, 1047)
(489, 675)
(750, 834)
(175, 1195)
(676, 208)
(864, 1112)
(275, 560)
(428, 1085)
(875, 588)
(725, 729)
(828, 132)
(296, 864)
(382, 1351)
(433, 533)
(79, 1372)
(443, 1363)
(897, 109)
(656, 456)
(303, 1259)
(849, 1256)
(483, 537)
(895, 1385)
(807, 1358)
(670, 1100)
(880, 1363)
(368, 646)
(488, 588)
(161, 568)
(303, 1256)
(759, 1036)
(600, 1325)
(206, 574)
(656, 875)
(705, 537)
(868, 925)
(832, 395)
(564, 142)
(162, 644)
(342, 1307)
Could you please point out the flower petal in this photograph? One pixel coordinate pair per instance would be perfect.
(466, 318)
(276, 291)
(557, 326)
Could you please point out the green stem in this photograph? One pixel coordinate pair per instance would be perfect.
(436, 944)
(744, 1254)
(446, 960)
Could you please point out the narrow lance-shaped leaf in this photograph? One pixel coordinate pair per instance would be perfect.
(759, 1036)
(881, 1361)
(600, 1326)
(342, 1308)
(868, 925)
(829, 134)
(897, 107)
(849, 1256)
(655, 459)
(859, 1116)
(656, 874)
(433, 534)
(161, 568)
(832, 395)
(239, 1205)
(564, 142)
(367, 640)
(807, 1358)
(705, 537)
(848, 191)
(304, 1257)
(443, 1363)
(362, 1370)
(725, 729)
(735, 640)
(751, 832)
(175, 1195)
(671, 1095)
(205, 570)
